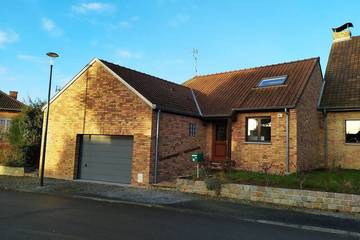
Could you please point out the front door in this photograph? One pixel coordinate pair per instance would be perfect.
(220, 140)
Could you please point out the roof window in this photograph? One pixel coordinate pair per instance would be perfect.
(273, 81)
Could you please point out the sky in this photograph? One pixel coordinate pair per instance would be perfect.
(158, 36)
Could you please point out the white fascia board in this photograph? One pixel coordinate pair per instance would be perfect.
(111, 72)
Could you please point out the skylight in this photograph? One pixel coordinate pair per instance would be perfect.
(273, 81)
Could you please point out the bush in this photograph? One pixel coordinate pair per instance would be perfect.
(213, 184)
(10, 158)
(24, 135)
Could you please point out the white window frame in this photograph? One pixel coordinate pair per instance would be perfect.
(346, 130)
(7, 123)
(192, 129)
(264, 80)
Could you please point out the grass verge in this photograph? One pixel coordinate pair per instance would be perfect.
(337, 180)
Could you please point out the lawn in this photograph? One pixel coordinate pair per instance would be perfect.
(338, 180)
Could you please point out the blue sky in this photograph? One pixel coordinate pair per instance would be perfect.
(157, 36)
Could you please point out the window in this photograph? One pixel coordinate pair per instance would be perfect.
(258, 129)
(4, 124)
(274, 81)
(220, 131)
(352, 131)
(192, 129)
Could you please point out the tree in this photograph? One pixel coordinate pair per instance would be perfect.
(24, 134)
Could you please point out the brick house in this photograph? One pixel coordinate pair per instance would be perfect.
(10, 107)
(340, 102)
(114, 124)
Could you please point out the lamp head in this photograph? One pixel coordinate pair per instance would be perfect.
(52, 54)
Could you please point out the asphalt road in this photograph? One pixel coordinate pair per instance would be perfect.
(41, 216)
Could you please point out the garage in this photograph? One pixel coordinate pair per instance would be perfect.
(106, 158)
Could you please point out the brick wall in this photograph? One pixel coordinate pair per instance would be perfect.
(97, 103)
(251, 156)
(340, 153)
(309, 122)
(176, 146)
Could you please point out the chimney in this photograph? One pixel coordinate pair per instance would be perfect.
(13, 94)
(342, 33)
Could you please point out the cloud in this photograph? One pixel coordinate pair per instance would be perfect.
(135, 18)
(123, 53)
(96, 7)
(124, 24)
(178, 19)
(30, 58)
(5, 76)
(94, 43)
(3, 70)
(50, 26)
(7, 37)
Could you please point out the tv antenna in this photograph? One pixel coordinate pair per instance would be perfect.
(57, 88)
(195, 53)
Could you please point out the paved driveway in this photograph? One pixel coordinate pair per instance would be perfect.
(80, 188)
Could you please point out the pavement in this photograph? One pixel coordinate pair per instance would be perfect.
(42, 216)
(93, 189)
(56, 210)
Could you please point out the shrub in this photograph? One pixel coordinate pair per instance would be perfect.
(24, 135)
(10, 158)
(213, 184)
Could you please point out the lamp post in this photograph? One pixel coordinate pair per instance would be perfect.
(52, 56)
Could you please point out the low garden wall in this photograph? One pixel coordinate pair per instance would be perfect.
(12, 171)
(289, 197)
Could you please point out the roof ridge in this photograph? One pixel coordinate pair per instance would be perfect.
(252, 68)
(161, 79)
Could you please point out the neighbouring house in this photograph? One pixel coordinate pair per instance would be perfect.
(114, 124)
(340, 102)
(10, 107)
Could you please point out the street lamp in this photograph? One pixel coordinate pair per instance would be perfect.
(52, 56)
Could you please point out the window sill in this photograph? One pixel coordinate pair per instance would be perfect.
(261, 143)
(352, 144)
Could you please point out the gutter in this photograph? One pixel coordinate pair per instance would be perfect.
(321, 94)
(339, 109)
(10, 110)
(287, 152)
(157, 145)
(196, 102)
(280, 108)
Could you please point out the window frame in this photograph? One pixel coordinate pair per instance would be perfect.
(258, 131)
(272, 78)
(192, 129)
(350, 143)
(7, 124)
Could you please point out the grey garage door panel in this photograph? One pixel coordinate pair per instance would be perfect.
(106, 158)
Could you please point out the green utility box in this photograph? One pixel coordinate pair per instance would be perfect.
(197, 157)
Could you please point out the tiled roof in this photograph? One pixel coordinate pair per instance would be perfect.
(342, 77)
(219, 93)
(8, 103)
(167, 96)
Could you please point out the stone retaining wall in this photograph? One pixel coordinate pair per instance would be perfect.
(12, 171)
(289, 197)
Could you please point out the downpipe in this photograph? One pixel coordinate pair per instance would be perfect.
(157, 145)
(287, 154)
(325, 137)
